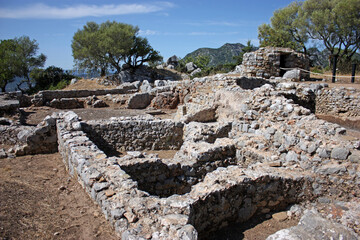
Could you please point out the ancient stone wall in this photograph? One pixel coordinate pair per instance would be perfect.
(342, 102)
(131, 134)
(267, 62)
(43, 97)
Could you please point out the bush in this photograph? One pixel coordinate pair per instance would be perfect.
(60, 85)
(50, 78)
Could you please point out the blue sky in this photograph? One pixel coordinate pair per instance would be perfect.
(172, 27)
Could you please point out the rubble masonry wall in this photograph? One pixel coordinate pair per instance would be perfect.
(133, 135)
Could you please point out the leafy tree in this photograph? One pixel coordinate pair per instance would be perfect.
(18, 59)
(336, 23)
(111, 44)
(141, 52)
(49, 77)
(7, 62)
(87, 51)
(25, 51)
(285, 29)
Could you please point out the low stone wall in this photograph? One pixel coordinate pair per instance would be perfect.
(342, 102)
(189, 166)
(43, 97)
(126, 134)
(234, 194)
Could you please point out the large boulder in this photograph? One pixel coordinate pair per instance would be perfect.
(67, 103)
(190, 66)
(173, 60)
(139, 101)
(165, 100)
(145, 87)
(198, 70)
(292, 74)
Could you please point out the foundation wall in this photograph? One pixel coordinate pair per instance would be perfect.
(338, 102)
(133, 135)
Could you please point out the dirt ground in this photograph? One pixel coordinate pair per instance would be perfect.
(39, 200)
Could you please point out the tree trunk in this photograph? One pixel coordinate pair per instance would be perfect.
(103, 72)
(334, 68)
(3, 89)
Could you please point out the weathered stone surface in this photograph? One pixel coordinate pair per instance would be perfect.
(190, 67)
(67, 103)
(165, 100)
(340, 153)
(292, 74)
(99, 104)
(267, 62)
(145, 87)
(139, 101)
(198, 70)
(313, 226)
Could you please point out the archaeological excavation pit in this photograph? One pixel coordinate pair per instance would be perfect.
(200, 190)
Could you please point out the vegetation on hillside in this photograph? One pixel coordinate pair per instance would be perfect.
(202, 58)
(110, 45)
(223, 55)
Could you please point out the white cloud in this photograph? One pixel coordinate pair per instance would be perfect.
(147, 32)
(43, 11)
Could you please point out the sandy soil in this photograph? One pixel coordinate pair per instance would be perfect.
(39, 200)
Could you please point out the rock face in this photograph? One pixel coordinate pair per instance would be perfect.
(268, 62)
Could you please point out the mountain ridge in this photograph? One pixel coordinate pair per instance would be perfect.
(221, 55)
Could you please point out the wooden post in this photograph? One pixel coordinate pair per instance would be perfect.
(353, 72)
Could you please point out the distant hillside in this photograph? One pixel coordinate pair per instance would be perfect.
(220, 55)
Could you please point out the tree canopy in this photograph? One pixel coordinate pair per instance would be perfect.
(111, 44)
(334, 23)
(18, 59)
(7, 61)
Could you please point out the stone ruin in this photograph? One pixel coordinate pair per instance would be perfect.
(241, 147)
(276, 62)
